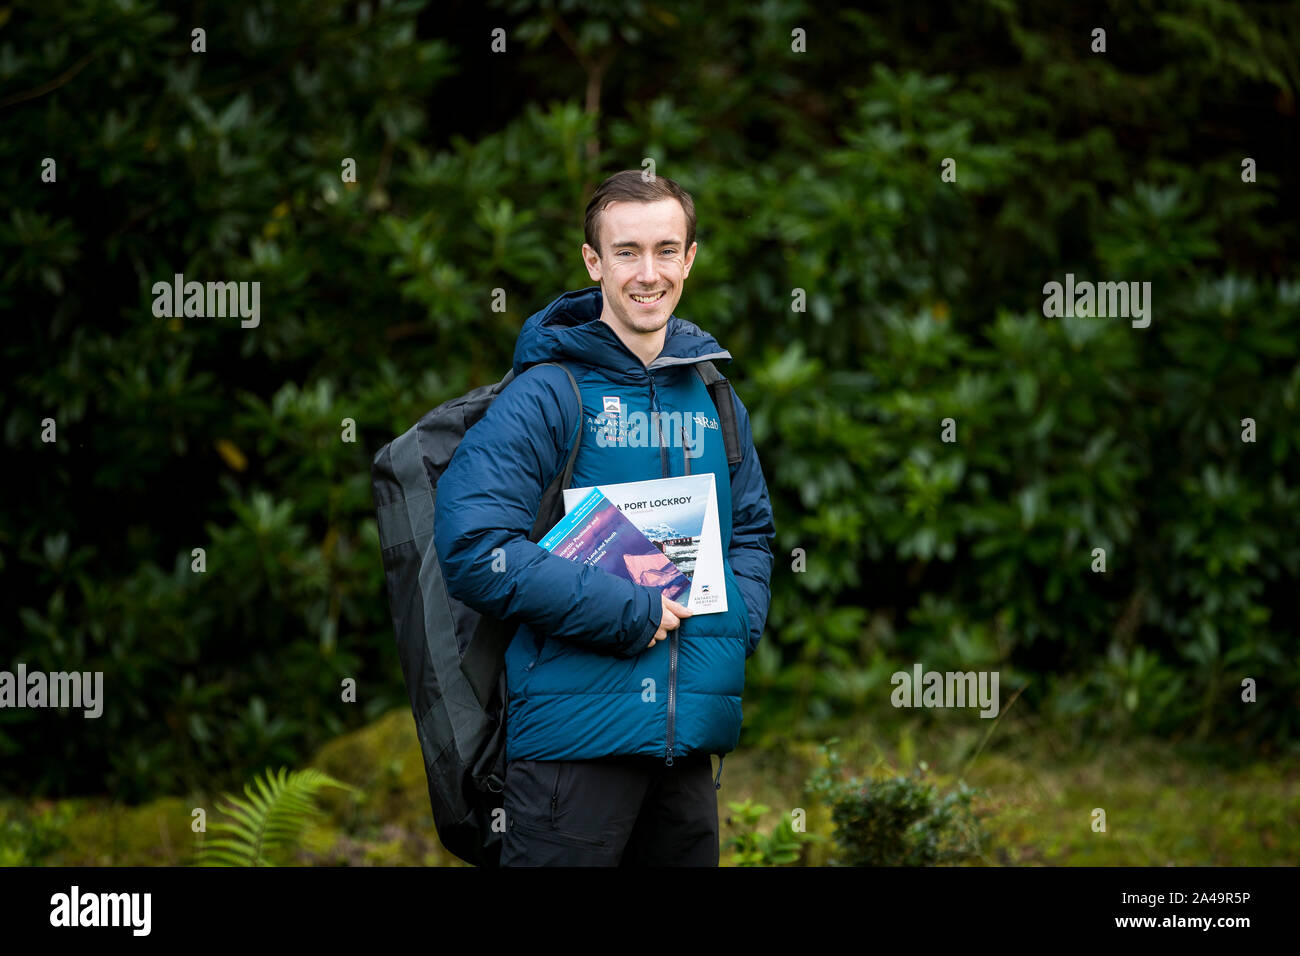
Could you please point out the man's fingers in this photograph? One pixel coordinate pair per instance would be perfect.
(679, 609)
(673, 613)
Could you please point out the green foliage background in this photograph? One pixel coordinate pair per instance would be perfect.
(817, 171)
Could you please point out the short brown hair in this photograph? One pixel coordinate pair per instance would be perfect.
(628, 186)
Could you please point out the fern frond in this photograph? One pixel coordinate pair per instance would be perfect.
(272, 819)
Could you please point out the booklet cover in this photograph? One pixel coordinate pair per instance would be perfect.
(595, 532)
(680, 516)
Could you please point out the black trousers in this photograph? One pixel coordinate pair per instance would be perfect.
(617, 811)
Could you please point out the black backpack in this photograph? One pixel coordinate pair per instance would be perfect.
(453, 658)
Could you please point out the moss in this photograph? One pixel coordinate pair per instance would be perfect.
(390, 813)
(100, 833)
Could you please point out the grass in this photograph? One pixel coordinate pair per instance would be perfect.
(1163, 805)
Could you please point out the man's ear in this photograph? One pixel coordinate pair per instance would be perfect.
(591, 259)
(690, 259)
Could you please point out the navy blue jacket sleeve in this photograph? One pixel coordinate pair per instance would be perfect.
(488, 499)
(752, 530)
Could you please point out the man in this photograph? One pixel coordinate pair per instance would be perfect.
(617, 695)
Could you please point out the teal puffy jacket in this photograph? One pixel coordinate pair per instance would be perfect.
(578, 666)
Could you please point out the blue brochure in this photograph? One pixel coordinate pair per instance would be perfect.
(596, 533)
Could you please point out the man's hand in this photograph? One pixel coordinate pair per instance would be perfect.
(673, 613)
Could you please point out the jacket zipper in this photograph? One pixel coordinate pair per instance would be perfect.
(672, 636)
(672, 693)
(658, 417)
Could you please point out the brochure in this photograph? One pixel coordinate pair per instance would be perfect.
(596, 533)
(680, 516)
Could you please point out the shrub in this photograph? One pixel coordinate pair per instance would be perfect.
(897, 820)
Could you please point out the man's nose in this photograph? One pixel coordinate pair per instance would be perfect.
(648, 274)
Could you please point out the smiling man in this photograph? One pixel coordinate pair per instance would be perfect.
(617, 695)
(648, 253)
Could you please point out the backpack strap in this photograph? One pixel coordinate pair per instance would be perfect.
(485, 657)
(720, 390)
(552, 506)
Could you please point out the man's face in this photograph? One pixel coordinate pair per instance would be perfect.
(642, 254)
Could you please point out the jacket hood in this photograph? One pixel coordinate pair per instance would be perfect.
(570, 328)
